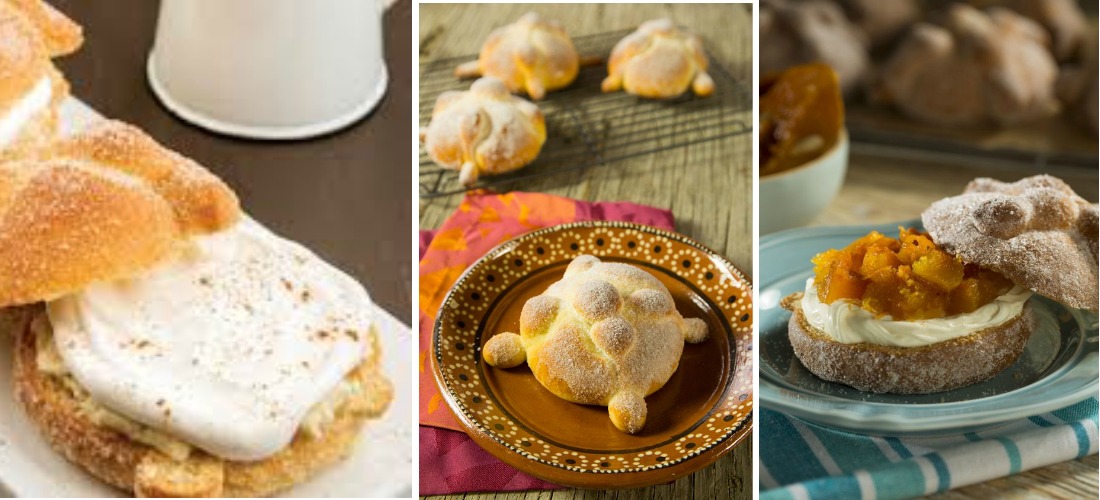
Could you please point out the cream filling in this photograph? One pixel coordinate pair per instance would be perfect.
(12, 123)
(49, 361)
(848, 323)
(228, 347)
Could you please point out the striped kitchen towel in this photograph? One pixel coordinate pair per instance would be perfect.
(802, 460)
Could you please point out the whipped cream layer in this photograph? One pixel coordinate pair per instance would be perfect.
(226, 347)
(15, 118)
(848, 323)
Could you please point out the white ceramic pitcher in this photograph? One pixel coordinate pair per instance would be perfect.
(269, 69)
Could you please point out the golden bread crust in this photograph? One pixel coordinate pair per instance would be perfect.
(606, 334)
(60, 34)
(533, 55)
(31, 32)
(124, 463)
(938, 367)
(24, 58)
(484, 131)
(35, 134)
(202, 202)
(106, 204)
(658, 61)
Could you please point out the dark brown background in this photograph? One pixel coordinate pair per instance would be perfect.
(346, 196)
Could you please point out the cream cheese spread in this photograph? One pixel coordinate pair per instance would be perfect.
(848, 323)
(227, 347)
(12, 122)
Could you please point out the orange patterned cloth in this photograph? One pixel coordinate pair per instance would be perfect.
(483, 221)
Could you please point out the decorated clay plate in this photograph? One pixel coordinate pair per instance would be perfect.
(1057, 368)
(703, 411)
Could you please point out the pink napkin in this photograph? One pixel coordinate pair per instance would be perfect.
(450, 462)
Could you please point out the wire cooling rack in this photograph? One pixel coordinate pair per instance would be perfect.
(587, 128)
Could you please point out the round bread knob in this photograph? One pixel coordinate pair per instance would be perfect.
(489, 87)
(627, 411)
(1001, 217)
(986, 185)
(695, 330)
(504, 351)
(657, 26)
(596, 300)
(1087, 224)
(581, 264)
(613, 335)
(538, 314)
(1053, 210)
(651, 302)
(1044, 181)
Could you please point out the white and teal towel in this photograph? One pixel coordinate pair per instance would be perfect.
(800, 460)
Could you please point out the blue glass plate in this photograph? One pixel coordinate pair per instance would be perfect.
(1058, 367)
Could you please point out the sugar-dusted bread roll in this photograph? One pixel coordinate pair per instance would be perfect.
(483, 131)
(106, 204)
(110, 224)
(659, 61)
(813, 31)
(973, 67)
(1064, 21)
(881, 22)
(1036, 232)
(31, 88)
(607, 334)
(533, 55)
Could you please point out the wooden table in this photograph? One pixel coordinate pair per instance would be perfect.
(346, 196)
(707, 186)
(881, 187)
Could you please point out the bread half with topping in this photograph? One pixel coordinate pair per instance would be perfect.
(136, 458)
(937, 367)
(167, 343)
(31, 88)
(931, 312)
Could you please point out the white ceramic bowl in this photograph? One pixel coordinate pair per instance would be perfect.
(794, 197)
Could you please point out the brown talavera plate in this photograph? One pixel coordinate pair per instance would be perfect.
(703, 411)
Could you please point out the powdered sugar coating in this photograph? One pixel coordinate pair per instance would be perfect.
(1036, 231)
(650, 302)
(658, 61)
(484, 131)
(105, 204)
(504, 351)
(696, 330)
(532, 55)
(539, 313)
(24, 59)
(628, 411)
(585, 346)
(613, 335)
(596, 300)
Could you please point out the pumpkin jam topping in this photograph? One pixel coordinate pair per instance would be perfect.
(908, 278)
